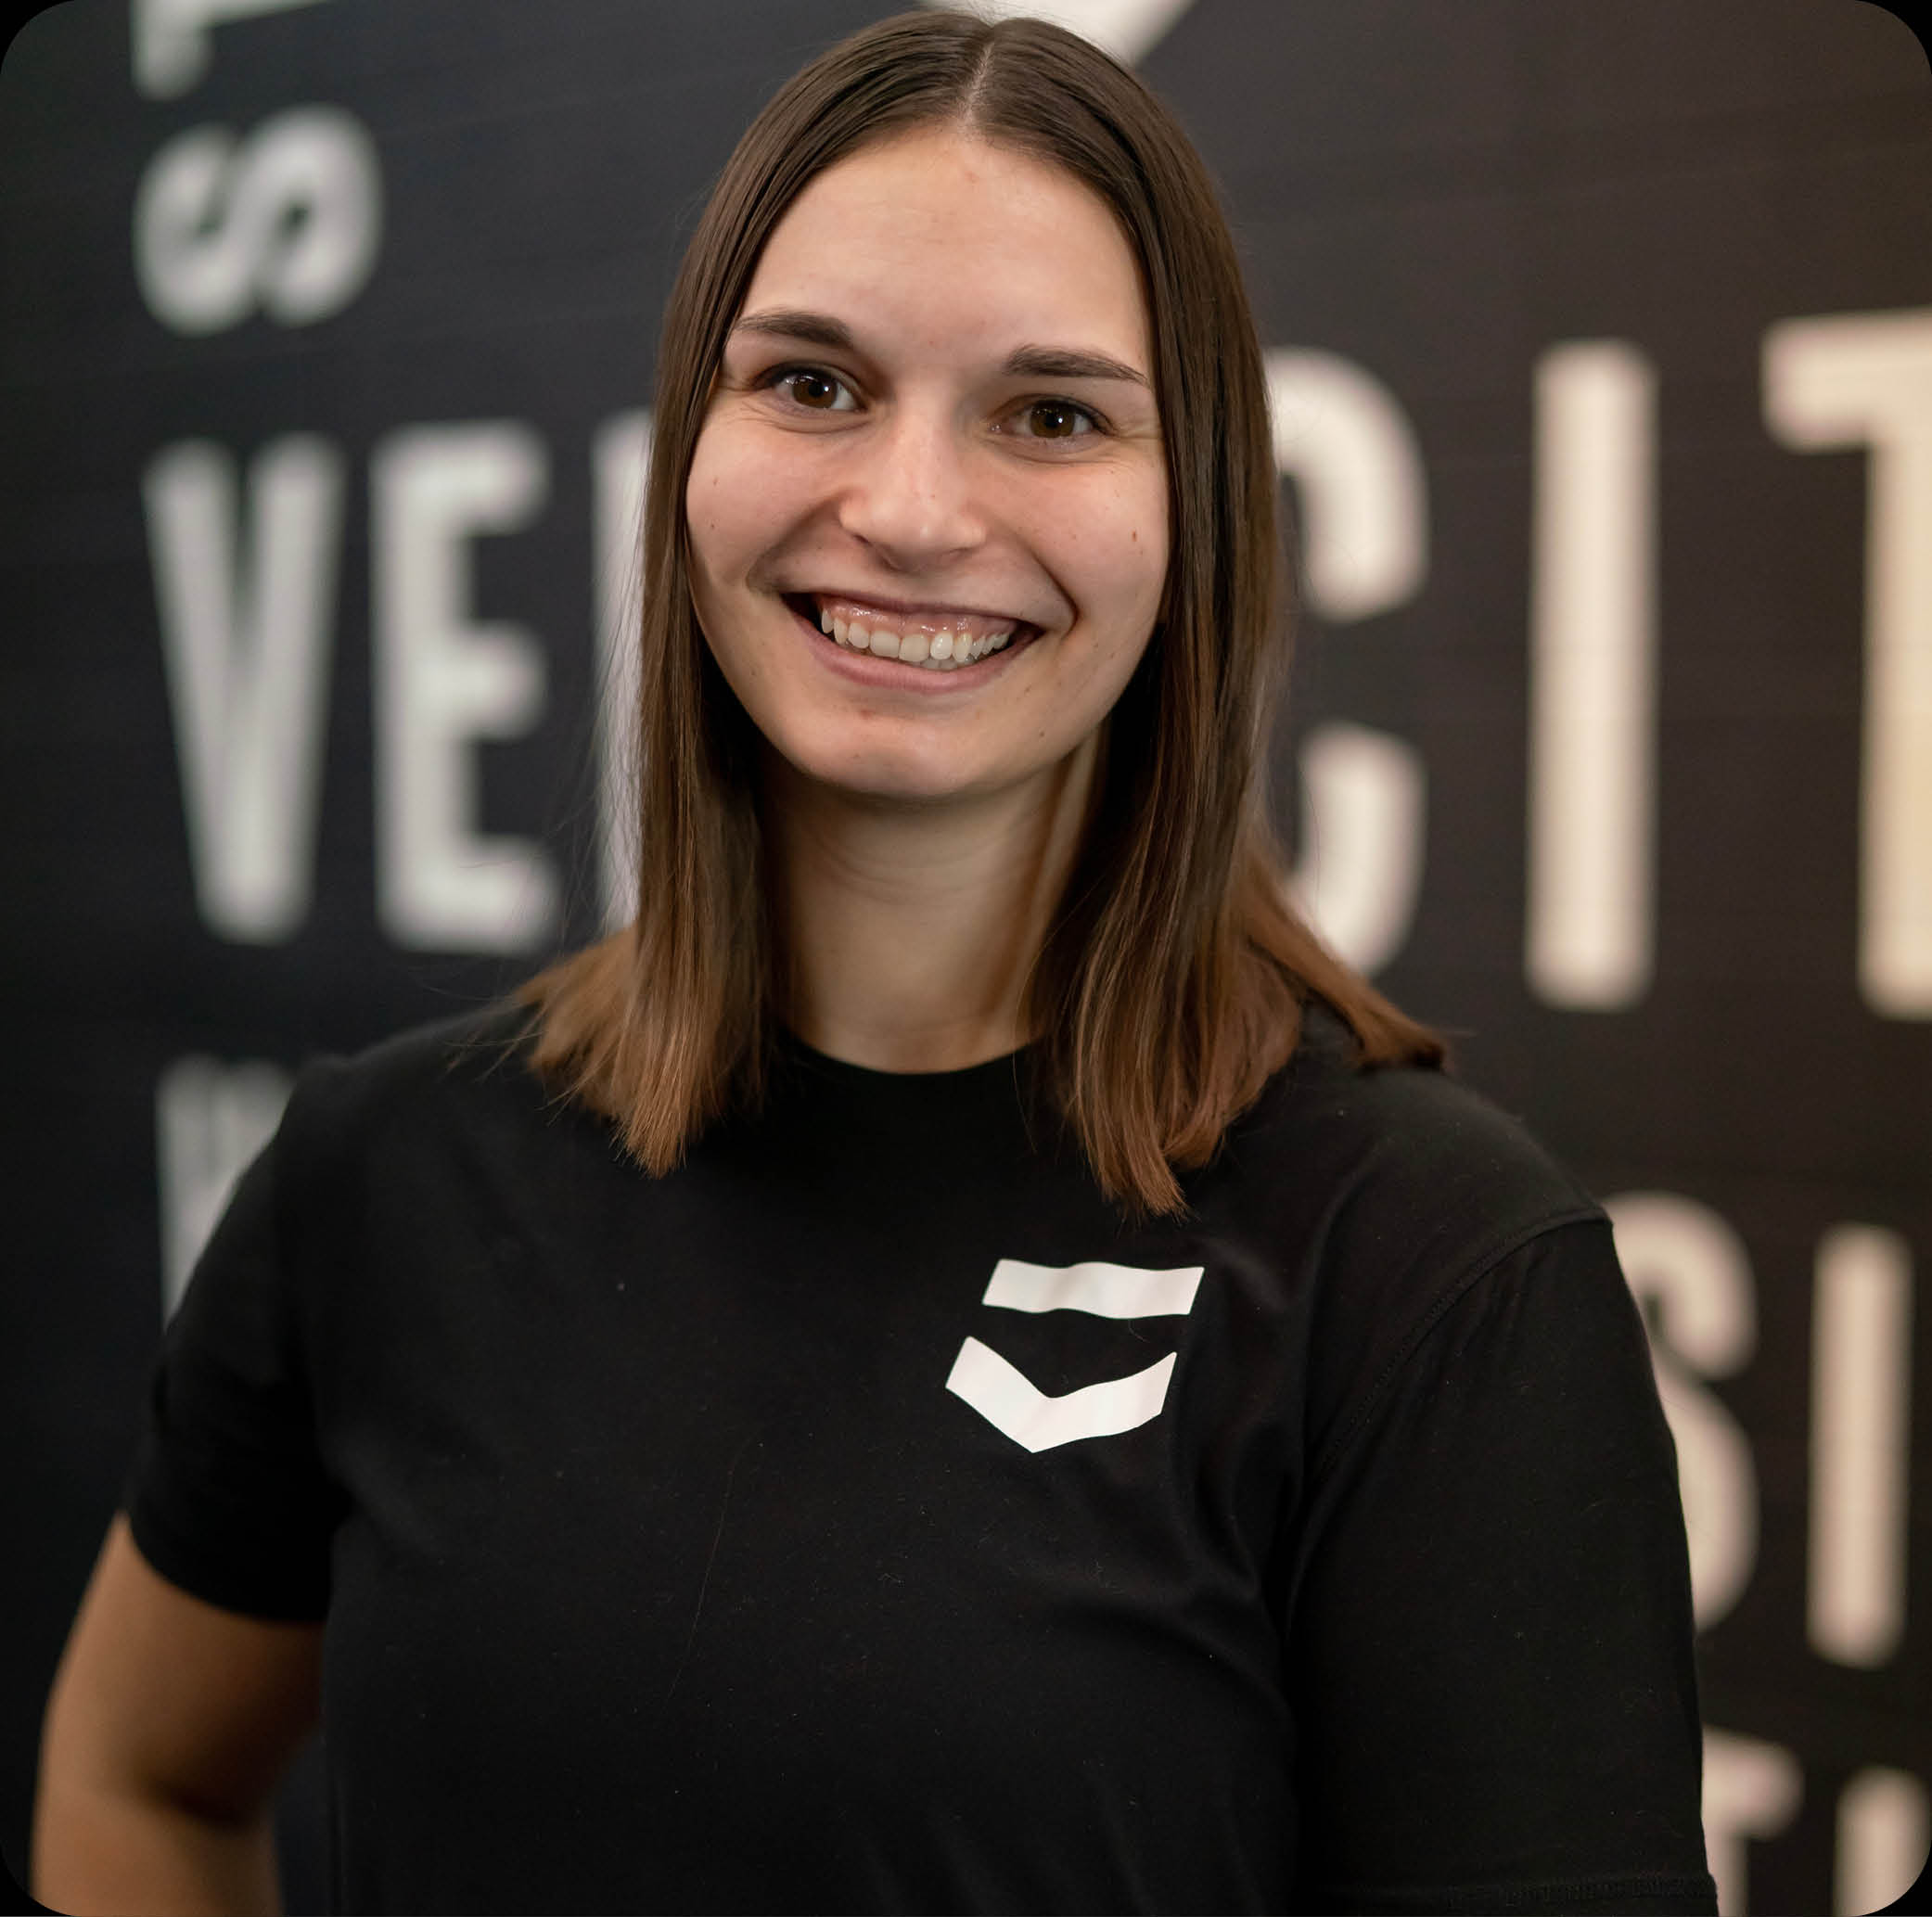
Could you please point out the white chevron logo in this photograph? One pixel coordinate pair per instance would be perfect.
(1013, 1405)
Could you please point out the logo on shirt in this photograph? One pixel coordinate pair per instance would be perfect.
(1010, 1401)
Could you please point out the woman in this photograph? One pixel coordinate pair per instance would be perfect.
(981, 1369)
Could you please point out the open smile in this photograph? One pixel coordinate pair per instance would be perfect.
(933, 640)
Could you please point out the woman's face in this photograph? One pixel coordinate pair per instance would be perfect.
(935, 433)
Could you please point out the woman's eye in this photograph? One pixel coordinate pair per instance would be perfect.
(1056, 419)
(805, 386)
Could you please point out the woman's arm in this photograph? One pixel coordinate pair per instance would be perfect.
(1496, 1686)
(169, 1723)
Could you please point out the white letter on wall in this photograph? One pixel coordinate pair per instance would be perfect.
(245, 621)
(1885, 1840)
(211, 1119)
(1751, 1789)
(288, 220)
(621, 460)
(1861, 1437)
(1866, 379)
(1127, 29)
(169, 38)
(1592, 645)
(442, 681)
(1344, 439)
(1340, 434)
(1683, 1258)
(1365, 812)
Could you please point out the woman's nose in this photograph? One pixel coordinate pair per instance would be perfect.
(911, 498)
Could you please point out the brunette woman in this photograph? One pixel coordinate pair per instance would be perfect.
(962, 1361)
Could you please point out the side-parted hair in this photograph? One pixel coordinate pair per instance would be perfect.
(1170, 984)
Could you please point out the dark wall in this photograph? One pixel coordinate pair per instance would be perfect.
(1601, 346)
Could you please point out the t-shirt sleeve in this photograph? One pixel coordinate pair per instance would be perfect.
(1491, 1634)
(227, 1497)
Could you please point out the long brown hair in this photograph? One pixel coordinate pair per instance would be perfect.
(1171, 983)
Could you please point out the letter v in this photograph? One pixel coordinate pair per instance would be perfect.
(245, 618)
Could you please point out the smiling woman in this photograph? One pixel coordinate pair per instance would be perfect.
(960, 358)
(961, 1361)
(915, 493)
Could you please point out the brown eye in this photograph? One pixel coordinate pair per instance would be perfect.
(805, 387)
(1056, 419)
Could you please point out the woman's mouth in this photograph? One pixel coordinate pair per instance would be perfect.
(939, 640)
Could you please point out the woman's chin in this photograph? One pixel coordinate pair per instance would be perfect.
(876, 784)
(923, 764)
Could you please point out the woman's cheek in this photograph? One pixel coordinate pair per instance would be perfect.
(728, 496)
(766, 500)
(1113, 530)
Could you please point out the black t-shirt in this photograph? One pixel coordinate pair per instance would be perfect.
(863, 1516)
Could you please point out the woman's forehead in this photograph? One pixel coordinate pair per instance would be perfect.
(940, 236)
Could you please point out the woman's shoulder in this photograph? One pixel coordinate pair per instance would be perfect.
(1392, 1189)
(1387, 1195)
(423, 1087)
(1409, 1134)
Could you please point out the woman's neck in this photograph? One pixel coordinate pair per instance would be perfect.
(907, 931)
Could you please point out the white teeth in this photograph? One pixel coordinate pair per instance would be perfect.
(944, 651)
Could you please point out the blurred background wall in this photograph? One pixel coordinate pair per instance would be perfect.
(1601, 347)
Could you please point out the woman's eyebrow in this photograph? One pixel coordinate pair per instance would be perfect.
(1069, 363)
(1022, 362)
(794, 323)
